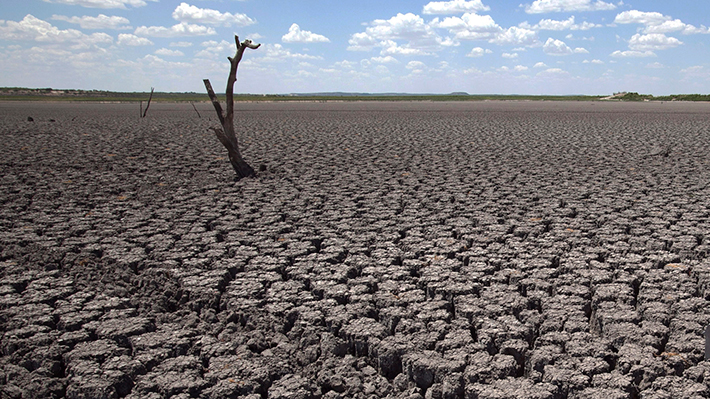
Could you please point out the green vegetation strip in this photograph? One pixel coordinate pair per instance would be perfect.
(673, 97)
(24, 94)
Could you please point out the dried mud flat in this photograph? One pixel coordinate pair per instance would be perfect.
(460, 250)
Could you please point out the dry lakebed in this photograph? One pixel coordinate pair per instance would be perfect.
(473, 250)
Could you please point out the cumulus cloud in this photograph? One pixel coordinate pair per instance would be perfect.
(192, 14)
(127, 39)
(517, 36)
(567, 24)
(102, 3)
(454, 7)
(99, 22)
(696, 71)
(653, 41)
(552, 72)
(212, 48)
(345, 64)
(178, 30)
(640, 17)
(595, 61)
(277, 53)
(296, 35)
(384, 60)
(520, 68)
(404, 34)
(545, 6)
(169, 53)
(556, 47)
(415, 65)
(509, 55)
(470, 26)
(632, 54)
(540, 65)
(656, 22)
(478, 52)
(31, 28)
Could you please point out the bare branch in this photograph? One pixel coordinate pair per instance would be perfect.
(215, 101)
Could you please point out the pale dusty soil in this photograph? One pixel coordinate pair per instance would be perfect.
(437, 250)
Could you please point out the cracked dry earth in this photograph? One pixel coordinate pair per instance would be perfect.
(404, 250)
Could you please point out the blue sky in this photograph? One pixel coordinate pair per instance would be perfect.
(477, 46)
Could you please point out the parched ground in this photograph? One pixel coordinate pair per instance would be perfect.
(458, 250)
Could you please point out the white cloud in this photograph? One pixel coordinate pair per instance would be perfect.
(214, 48)
(580, 50)
(656, 22)
(102, 3)
(653, 41)
(454, 7)
(416, 37)
(471, 71)
(35, 29)
(640, 17)
(178, 30)
(595, 61)
(345, 64)
(478, 52)
(192, 14)
(545, 6)
(520, 68)
(384, 60)
(655, 65)
(127, 39)
(157, 63)
(540, 65)
(296, 35)
(180, 44)
(382, 70)
(390, 47)
(696, 71)
(553, 72)
(509, 55)
(415, 65)
(567, 24)
(100, 22)
(470, 26)
(277, 53)
(517, 36)
(551, 24)
(169, 53)
(556, 47)
(632, 54)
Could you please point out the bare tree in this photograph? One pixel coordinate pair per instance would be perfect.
(152, 89)
(226, 134)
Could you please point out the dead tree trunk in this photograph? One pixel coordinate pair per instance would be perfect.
(226, 134)
(148, 105)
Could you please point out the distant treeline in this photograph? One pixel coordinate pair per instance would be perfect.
(673, 97)
(49, 94)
